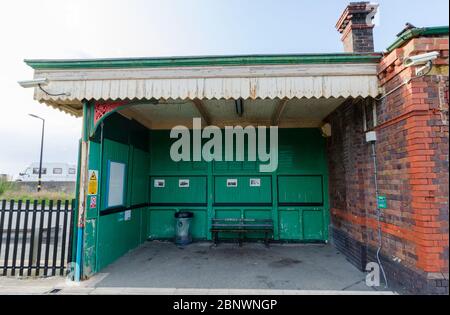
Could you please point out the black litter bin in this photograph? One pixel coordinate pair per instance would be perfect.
(182, 230)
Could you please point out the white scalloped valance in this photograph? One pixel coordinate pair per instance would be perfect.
(231, 82)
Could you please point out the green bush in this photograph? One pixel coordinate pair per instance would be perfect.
(5, 186)
(47, 196)
(9, 191)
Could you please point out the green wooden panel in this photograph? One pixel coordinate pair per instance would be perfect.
(301, 151)
(260, 214)
(244, 193)
(289, 225)
(313, 225)
(265, 214)
(161, 162)
(228, 213)
(120, 129)
(117, 152)
(220, 166)
(300, 189)
(172, 193)
(200, 166)
(235, 166)
(139, 186)
(145, 214)
(89, 258)
(162, 223)
(139, 177)
(199, 224)
(225, 214)
(160, 152)
(117, 236)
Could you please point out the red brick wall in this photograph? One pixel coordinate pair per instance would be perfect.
(412, 156)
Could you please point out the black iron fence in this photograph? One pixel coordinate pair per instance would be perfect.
(35, 237)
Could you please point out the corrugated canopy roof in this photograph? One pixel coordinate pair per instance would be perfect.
(220, 77)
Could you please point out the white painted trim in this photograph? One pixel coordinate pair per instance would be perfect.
(210, 72)
(230, 82)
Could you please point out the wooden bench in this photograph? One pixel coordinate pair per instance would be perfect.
(241, 227)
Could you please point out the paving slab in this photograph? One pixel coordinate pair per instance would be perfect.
(228, 266)
(161, 268)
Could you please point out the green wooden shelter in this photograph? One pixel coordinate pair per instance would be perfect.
(129, 187)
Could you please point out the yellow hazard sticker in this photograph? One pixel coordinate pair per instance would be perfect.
(93, 183)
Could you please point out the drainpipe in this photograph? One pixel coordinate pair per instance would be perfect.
(79, 254)
(371, 137)
(375, 179)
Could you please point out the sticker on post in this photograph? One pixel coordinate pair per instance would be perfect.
(160, 183)
(184, 183)
(255, 182)
(93, 202)
(232, 182)
(382, 202)
(127, 216)
(93, 182)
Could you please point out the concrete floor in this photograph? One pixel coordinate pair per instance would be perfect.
(253, 266)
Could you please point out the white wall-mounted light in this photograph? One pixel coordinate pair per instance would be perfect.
(423, 59)
(39, 83)
(420, 59)
(33, 83)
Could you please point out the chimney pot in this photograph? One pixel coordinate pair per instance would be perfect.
(356, 27)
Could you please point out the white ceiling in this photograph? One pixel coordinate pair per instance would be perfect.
(297, 113)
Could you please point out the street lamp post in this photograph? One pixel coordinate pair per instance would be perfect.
(42, 149)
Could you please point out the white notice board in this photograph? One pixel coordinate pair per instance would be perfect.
(116, 184)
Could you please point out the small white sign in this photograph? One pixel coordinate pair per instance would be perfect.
(232, 182)
(184, 183)
(127, 216)
(255, 182)
(160, 183)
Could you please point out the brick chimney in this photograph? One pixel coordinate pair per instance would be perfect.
(356, 27)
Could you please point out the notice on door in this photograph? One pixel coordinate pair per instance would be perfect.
(93, 182)
(232, 183)
(184, 183)
(160, 183)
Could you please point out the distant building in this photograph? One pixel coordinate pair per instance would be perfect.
(5, 178)
(51, 172)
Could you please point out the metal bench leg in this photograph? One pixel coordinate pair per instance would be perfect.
(240, 239)
(266, 240)
(216, 238)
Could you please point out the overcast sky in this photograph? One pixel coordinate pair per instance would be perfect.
(113, 28)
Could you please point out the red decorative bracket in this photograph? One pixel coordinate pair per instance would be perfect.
(102, 109)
